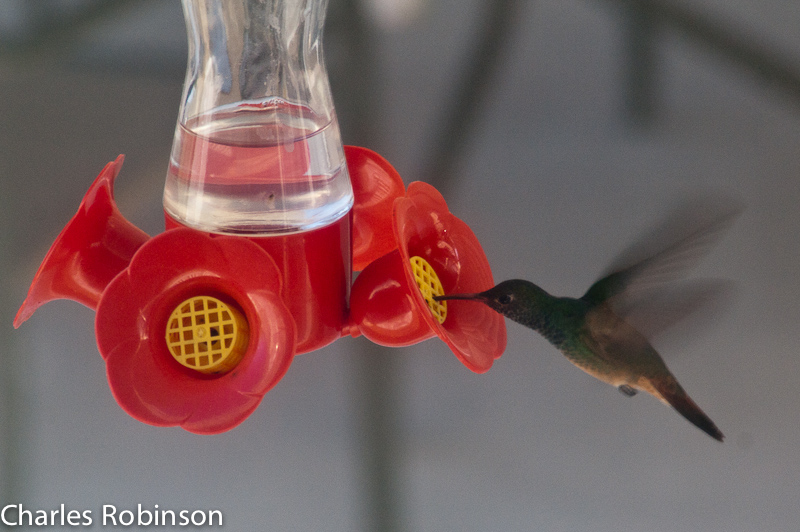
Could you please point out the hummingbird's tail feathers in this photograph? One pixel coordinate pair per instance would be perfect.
(672, 393)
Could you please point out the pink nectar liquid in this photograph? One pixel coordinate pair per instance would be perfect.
(257, 168)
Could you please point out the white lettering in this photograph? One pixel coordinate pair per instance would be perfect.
(107, 515)
(21, 514)
(41, 518)
(143, 513)
(3, 515)
(122, 519)
(15, 515)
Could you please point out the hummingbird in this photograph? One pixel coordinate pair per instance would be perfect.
(596, 332)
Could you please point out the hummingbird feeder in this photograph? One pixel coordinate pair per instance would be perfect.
(267, 215)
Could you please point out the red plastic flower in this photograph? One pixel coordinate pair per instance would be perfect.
(387, 304)
(96, 244)
(146, 379)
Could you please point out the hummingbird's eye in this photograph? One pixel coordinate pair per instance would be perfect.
(505, 299)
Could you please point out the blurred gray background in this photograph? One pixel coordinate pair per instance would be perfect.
(559, 130)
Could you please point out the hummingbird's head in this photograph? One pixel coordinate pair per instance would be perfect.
(510, 298)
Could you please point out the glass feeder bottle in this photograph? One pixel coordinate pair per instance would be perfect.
(257, 149)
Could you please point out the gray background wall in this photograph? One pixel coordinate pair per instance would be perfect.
(555, 178)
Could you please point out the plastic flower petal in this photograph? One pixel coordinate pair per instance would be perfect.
(387, 302)
(145, 377)
(96, 244)
(376, 185)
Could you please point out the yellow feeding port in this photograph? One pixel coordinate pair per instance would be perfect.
(429, 284)
(207, 335)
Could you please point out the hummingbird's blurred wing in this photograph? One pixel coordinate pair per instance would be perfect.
(666, 253)
(654, 311)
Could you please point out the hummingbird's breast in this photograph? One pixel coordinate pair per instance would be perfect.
(612, 350)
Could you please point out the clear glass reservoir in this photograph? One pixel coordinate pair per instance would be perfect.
(257, 148)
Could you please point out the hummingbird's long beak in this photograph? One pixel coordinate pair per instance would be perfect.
(470, 297)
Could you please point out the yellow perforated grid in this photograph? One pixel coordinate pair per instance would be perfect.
(429, 284)
(206, 335)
